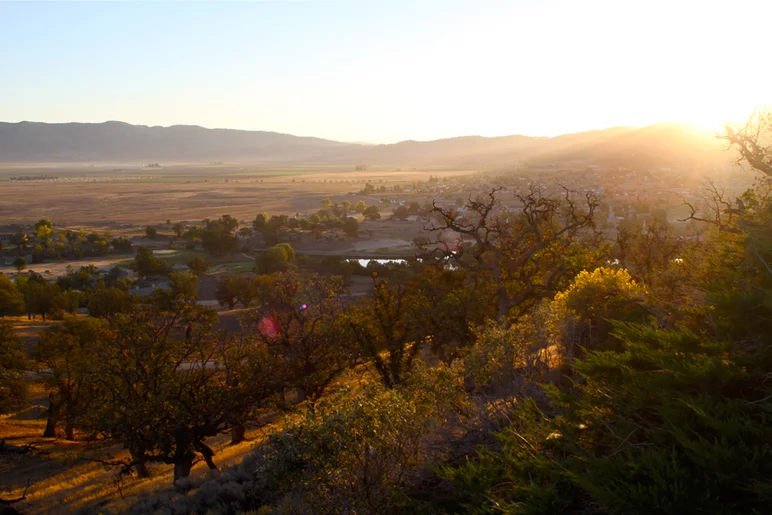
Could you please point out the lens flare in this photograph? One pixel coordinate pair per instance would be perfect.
(268, 327)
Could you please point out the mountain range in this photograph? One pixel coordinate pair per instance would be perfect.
(664, 145)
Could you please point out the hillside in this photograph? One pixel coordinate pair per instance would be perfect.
(670, 145)
(111, 141)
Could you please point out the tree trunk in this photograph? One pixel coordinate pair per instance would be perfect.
(183, 453)
(142, 470)
(139, 460)
(69, 431)
(238, 434)
(503, 304)
(182, 468)
(53, 415)
(208, 454)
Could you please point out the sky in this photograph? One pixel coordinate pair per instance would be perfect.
(385, 71)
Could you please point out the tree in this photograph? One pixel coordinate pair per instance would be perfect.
(192, 234)
(178, 229)
(260, 222)
(183, 285)
(449, 308)
(579, 317)
(21, 240)
(218, 237)
(198, 265)
(301, 322)
(13, 365)
(351, 227)
(227, 291)
(278, 258)
(44, 229)
(528, 254)
(121, 244)
(19, 264)
(151, 232)
(85, 278)
(752, 141)
(11, 299)
(388, 331)
(168, 384)
(326, 203)
(68, 351)
(248, 288)
(146, 264)
(360, 206)
(401, 212)
(40, 296)
(371, 213)
(108, 302)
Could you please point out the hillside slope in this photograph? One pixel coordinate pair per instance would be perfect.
(671, 145)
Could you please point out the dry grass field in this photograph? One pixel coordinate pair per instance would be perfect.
(107, 197)
(64, 477)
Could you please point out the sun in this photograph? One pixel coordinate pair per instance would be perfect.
(713, 116)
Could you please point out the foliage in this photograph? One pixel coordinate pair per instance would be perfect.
(44, 229)
(218, 237)
(20, 263)
(388, 330)
(121, 244)
(68, 351)
(167, 384)
(302, 322)
(401, 212)
(11, 299)
(83, 279)
(40, 297)
(238, 288)
(354, 454)
(198, 265)
(526, 255)
(580, 315)
(107, 302)
(351, 227)
(371, 213)
(146, 264)
(13, 364)
(278, 258)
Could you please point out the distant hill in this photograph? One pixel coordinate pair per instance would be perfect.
(671, 145)
(660, 145)
(118, 141)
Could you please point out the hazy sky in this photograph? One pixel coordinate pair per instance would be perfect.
(383, 71)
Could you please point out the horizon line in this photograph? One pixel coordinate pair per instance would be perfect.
(366, 143)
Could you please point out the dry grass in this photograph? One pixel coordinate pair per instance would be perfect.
(181, 192)
(62, 480)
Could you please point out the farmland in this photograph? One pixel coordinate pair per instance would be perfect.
(90, 196)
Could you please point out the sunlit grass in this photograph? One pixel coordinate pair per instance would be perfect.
(84, 483)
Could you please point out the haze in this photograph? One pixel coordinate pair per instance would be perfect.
(384, 71)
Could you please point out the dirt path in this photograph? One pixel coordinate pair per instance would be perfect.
(53, 269)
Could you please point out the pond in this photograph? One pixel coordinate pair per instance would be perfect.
(365, 262)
